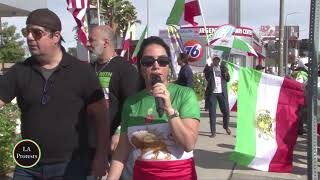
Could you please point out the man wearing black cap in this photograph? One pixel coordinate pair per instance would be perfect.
(55, 91)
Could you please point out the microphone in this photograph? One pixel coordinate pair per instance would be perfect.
(155, 78)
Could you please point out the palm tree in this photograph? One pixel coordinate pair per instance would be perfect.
(118, 14)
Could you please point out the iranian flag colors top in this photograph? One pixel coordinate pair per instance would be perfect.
(267, 120)
(183, 12)
(149, 134)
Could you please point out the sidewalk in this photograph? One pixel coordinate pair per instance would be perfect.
(212, 156)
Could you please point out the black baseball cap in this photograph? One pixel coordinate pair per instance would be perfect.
(45, 18)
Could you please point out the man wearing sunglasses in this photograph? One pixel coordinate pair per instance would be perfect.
(55, 91)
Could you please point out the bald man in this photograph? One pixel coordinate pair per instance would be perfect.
(118, 78)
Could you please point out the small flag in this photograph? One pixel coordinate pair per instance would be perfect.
(176, 48)
(175, 39)
(78, 9)
(224, 31)
(183, 12)
(267, 120)
(234, 45)
(127, 40)
(136, 50)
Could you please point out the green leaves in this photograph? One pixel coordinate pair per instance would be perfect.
(8, 138)
(198, 85)
(118, 13)
(11, 49)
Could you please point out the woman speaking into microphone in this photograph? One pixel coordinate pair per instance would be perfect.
(160, 123)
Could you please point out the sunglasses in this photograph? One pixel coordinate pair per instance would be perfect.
(37, 34)
(148, 61)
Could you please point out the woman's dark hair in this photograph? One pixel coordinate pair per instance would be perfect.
(152, 40)
(184, 57)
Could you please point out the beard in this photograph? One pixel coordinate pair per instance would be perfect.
(96, 52)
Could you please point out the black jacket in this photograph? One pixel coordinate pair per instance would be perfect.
(225, 77)
(185, 76)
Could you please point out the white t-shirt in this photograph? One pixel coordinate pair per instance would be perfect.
(217, 79)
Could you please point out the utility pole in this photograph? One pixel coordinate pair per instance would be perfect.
(234, 12)
(148, 18)
(312, 89)
(281, 34)
(1, 43)
(285, 49)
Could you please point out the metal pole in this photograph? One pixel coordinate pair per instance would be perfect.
(1, 44)
(286, 51)
(205, 30)
(281, 34)
(312, 90)
(148, 18)
(286, 42)
(98, 12)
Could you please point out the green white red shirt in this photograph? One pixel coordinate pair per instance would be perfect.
(149, 134)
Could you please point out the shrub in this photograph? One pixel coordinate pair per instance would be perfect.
(199, 85)
(8, 138)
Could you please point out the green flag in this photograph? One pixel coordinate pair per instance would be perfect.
(136, 50)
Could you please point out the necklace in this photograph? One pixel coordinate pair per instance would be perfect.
(96, 66)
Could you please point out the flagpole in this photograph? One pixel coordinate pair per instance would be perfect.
(148, 18)
(173, 59)
(205, 28)
(98, 11)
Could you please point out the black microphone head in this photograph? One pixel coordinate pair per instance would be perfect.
(155, 78)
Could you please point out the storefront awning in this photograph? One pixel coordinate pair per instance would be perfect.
(9, 8)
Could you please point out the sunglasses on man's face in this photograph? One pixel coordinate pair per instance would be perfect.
(36, 33)
(148, 61)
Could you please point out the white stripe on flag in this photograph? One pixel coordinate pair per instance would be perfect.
(234, 80)
(78, 4)
(81, 14)
(267, 99)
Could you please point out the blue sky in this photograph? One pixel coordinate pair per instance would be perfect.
(253, 14)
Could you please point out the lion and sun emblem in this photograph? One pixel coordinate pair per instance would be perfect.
(264, 123)
(234, 87)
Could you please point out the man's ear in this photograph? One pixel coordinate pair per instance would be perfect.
(56, 36)
(106, 42)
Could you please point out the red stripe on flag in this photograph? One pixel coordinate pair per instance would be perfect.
(234, 107)
(191, 9)
(82, 4)
(168, 170)
(75, 10)
(126, 44)
(290, 97)
(74, 3)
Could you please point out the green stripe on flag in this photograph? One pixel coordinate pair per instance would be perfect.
(240, 44)
(136, 50)
(176, 13)
(245, 149)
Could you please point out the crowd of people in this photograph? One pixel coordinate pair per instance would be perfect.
(89, 118)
